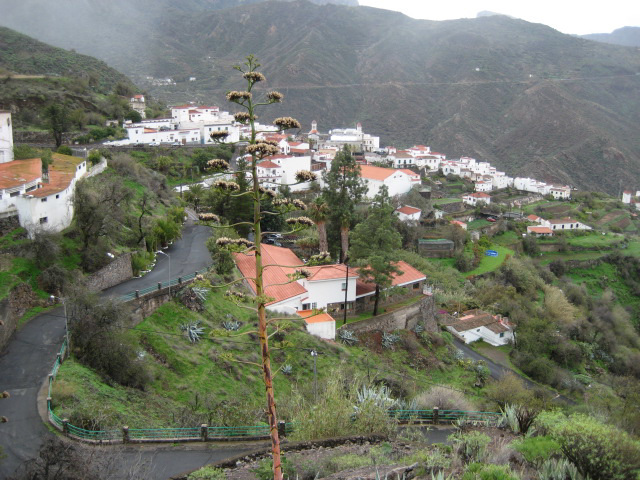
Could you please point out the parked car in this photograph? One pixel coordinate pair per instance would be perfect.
(491, 219)
(176, 144)
(154, 144)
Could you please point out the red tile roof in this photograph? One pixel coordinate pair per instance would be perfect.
(534, 218)
(411, 173)
(408, 210)
(19, 172)
(277, 284)
(540, 230)
(329, 272)
(560, 221)
(268, 164)
(61, 173)
(376, 173)
(407, 275)
(317, 317)
(479, 195)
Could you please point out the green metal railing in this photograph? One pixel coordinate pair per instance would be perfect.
(145, 291)
(445, 416)
(164, 434)
(230, 432)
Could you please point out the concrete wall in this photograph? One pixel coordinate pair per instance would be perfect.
(402, 319)
(8, 224)
(116, 272)
(144, 306)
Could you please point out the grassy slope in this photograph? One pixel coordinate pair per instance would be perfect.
(186, 373)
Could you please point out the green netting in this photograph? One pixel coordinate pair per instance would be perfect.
(243, 431)
(164, 433)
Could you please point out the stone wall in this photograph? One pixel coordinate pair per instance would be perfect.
(144, 306)
(20, 299)
(116, 272)
(8, 224)
(405, 318)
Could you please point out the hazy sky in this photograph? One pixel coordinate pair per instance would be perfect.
(567, 16)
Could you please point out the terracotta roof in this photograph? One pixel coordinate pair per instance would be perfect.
(411, 173)
(317, 317)
(298, 150)
(61, 173)
(559, 221)
(474, 319)
(376, 173)
(407, 275)
(181, 107)
(419, 147)
(330, 272)
(628, 192)
(268, 164)
(539, 230)
(534, 218)
(479, 194)
(19, 172)
(408, 210)
(277, 284)
(403, 154)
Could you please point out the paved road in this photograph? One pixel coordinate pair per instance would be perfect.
(28, 358)
(497, 370)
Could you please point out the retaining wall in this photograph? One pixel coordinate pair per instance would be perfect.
(405, 318)
(145, 305)
(20, 299)
(116, 272)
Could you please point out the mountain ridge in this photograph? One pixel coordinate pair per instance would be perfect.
(527, 98)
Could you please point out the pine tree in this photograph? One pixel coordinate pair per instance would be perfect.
(373, 244)
(343, 190)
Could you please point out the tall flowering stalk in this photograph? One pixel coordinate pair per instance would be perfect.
(258, 150)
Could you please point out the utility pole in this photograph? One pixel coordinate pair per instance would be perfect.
(346, 289)
(314, 354)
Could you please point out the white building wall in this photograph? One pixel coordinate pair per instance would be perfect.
(324, 292)
(325, 330)
(6, 137)
(291, 166)
(233, 131)
(483, 333)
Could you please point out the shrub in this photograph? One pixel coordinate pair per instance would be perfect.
(64, 150)
(479, 471)
(346, 462)
(207, 473)
(601, 452)
(472, 446)
(443, 398)
(509, 389)
(537, 450)
(94, 157)
(264, 470)
(53, 279)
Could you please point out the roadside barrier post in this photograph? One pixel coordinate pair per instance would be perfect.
(125, 434)
(65, 426)
(179, 280)
(436, 417)
(282, 431)
(48, 404)
(137, 293)
(159, 286)
(204, 432)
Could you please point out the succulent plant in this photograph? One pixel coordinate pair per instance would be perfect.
(193, 330)
(389, 340)
(231, 325)
(287, 369)
(347, 337)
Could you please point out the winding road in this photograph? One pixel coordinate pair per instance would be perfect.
(27, 360)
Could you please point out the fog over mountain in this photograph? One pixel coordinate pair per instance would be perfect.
(523, 96)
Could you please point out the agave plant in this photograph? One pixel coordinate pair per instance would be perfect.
(347, 337)
(380, 395)
(287, 369)
(389, 340)
(193, 330)
(201, 293)
(231, 325)
(558, 469)
(418, 329)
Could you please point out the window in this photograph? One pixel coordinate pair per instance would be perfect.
(416, 286)
(344, 286)
(305, 306)
(478, 330)
(44, 199)
(14, 194)
(58, 195)
(43, 220)
(501, 334)
(314, 305)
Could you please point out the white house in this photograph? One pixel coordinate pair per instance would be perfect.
(560, 192)
(151, 135)
(397, 181)
(323, 288)
(415, 177)
(6, 137)
(402, 159)
(539, 220)
(479, 325)
(501, 180)
(269, 175)
(319, 323)
(567, 224)
(290, 165)
(351, 137)
(41, 202)
(539, 231)
(407, 213)
(450, 167)
(627, 195)
(137, 103)
(484, 186)
(478, 197)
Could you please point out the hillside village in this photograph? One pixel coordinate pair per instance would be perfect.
(477, 299)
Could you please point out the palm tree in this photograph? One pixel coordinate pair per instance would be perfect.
(319, 211)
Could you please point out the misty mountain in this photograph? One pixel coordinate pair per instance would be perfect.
(523, 96)
(627, 36)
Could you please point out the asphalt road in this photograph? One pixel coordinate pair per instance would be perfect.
(27, 360)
